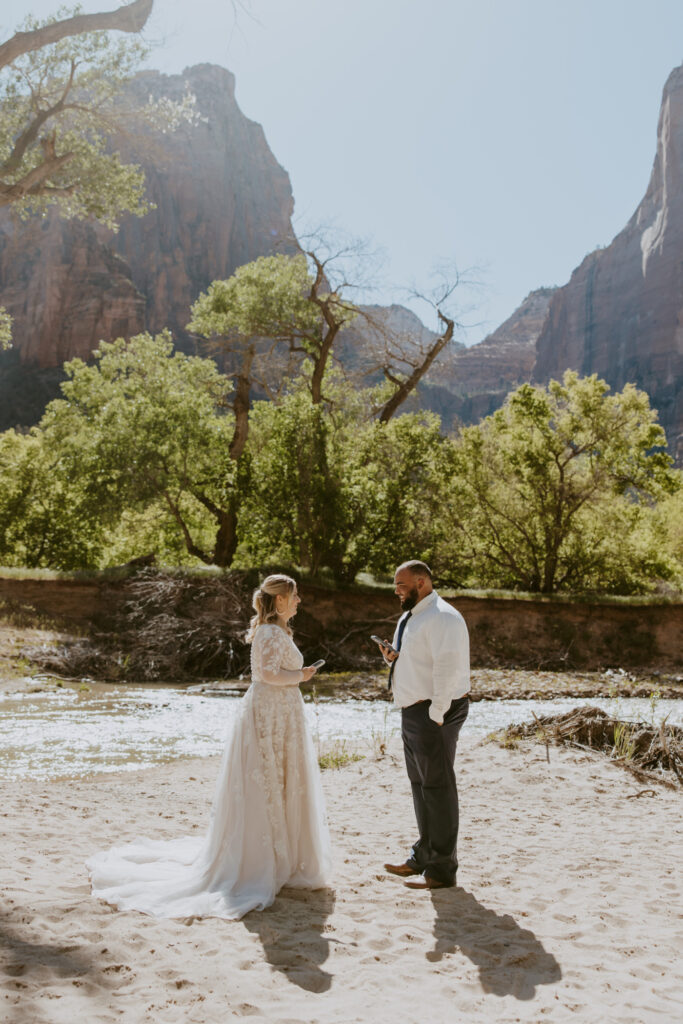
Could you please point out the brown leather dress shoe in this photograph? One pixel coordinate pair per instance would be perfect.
(402, 870)
(430, 883)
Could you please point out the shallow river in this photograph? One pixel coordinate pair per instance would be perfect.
(67, 732)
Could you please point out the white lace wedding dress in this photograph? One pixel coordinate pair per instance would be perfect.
(268, 826)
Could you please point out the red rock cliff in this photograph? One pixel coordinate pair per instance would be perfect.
(470, 383)
(621, 314)
(221, 200)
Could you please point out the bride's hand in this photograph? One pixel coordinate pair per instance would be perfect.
(307, 672)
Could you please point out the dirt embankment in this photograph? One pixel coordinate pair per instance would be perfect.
(504, 633)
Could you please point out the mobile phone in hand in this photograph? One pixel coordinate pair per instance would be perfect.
(319, 663)
(384, 643)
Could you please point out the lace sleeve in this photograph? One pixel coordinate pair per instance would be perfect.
(268, 650)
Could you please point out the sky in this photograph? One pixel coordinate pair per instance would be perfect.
(507, 137)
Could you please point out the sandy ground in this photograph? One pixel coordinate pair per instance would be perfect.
(568, 904)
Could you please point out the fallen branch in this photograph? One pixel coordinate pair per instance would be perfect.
(639, 747)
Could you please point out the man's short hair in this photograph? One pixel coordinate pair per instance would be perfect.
(416, 567)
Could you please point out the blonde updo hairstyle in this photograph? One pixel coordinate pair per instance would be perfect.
(264, 601)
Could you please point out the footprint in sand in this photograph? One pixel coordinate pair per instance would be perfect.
(14, 970)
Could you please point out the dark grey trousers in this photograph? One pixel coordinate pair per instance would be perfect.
(430, 755)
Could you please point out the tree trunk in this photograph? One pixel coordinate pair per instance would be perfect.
(226, 539)
(241, 405)
(320, 365)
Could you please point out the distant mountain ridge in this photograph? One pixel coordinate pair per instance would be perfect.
(471, 383)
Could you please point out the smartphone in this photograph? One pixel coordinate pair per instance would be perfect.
(384, 643)
(319, 663)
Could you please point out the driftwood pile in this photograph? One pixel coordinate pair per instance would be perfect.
(166, 627)
(641, 748)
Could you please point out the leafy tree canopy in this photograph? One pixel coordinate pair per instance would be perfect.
(283, 299)
(62, 106)
(5, 328)
(548, 488)
(266, 299)
(143, 426)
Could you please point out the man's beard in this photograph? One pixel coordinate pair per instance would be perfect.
(410, 600)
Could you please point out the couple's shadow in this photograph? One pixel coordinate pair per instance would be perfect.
(291, 932)
(511, 960)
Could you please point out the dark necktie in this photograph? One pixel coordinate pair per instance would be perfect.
(401, 630)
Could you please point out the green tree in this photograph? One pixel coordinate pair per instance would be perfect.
(394, 476)
(553, 491)
(281, 300)
(44, 520)
(667, 518)
(332, 490)
(60, 100)
(142, 429)
(291, 513)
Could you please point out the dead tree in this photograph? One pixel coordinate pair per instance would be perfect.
(420, 363)
(405, 357)
(330, 284)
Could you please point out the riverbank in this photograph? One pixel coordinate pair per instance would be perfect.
(162, 625)
(566, 910)
(18, 673)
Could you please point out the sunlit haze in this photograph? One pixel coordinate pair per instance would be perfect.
(509, 135)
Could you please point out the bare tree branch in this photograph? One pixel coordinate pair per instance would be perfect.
(34, 183)
(128, 18)
(406, 386)
(30, 134)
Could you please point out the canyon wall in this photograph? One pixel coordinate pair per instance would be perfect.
(221, 200)
(621, 313)
(470, 383)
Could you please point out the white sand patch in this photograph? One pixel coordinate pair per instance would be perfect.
(567, 906)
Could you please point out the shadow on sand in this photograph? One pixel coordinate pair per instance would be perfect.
(28, 967)
(511, 960)
(291, 932)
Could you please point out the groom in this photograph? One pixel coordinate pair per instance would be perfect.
(430, 679)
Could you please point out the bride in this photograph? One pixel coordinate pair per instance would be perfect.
(268, 825)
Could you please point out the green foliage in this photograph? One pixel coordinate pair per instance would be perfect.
(275, 302)
(667, 522)
(44, 519)
(624, 744)
(331, 491)
(555, 491)
(264, 299)
(5, 329)
(564, 488)
(394, 490)
(61, 107)
(291, 513)
(337, 754)
(139, 442)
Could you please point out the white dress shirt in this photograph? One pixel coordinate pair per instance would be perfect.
(434, 663)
